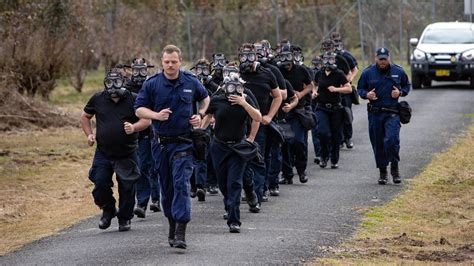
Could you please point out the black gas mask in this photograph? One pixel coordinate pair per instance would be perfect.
(317, 63)
(285, 60)
(247, 61)
(203, 72)
(336, 38)
(329, 61)
(327, 46)
(261, 54)
(298, 57)
(113, 83)
(139, 71)
(338, 45)
(218, 63)
(233, 87)
(229, 73)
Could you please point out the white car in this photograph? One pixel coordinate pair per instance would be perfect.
(445, 52)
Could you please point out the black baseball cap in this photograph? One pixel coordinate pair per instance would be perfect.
(382, 53)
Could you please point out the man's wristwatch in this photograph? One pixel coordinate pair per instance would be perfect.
(201, 115)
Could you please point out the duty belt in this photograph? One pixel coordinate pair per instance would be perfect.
(186, 138)
(231, 142)
(378, 109)
(330, 105)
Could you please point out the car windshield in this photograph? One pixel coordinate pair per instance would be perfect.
(448, 36)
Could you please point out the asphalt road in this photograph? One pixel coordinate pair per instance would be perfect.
(292, 228)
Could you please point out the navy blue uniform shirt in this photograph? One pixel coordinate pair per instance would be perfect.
(159, 93)
(383, 82)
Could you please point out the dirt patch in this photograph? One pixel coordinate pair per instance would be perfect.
(20, 112)
(404, 240)
(442, 256)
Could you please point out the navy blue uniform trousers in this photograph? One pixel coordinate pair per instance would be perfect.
(229, 168)
(295, 150)
(148, 183)
(384, 132)
(101, 174)
(329, 127)
(174, 179)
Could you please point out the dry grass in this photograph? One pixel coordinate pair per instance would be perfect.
(432, 221)
(44, 183)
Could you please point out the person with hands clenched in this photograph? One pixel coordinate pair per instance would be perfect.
(383, 83)
(169, 98)
(116, 152)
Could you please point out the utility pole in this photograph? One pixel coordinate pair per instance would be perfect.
(190, 48)
(401, 31)
(361, 33)
(277, 20)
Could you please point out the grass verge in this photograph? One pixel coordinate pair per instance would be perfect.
(431, 221)
(44, 184)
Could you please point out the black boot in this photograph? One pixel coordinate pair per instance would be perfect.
(171, 232)
(383, 176)
(179, 241)
(395, 173)
(107, 216)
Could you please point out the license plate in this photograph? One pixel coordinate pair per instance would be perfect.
(442, 73)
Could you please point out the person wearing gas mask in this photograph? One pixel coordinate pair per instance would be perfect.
(383, 83)
(168, 98)
(271, 167)
(328, 45)
(219, 61)
(299, 59)
(276, 156)
(203, 168)
(346, 98)
(117, 136)
(331, 83)
(295, 150)
(147, 185)
(264, 86)
(252, 128)
(317, 64)
(267, 48)
(231, 109)
(262, 56)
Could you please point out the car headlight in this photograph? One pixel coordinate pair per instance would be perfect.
(468, 55)
(419, 55)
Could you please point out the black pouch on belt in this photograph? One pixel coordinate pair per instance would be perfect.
(404, 111)
(306, 117)
(201, 141)
(246, 150)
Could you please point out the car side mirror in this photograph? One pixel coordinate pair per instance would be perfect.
(413, 41)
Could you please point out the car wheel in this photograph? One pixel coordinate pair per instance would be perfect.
(472, 82)
(427, 82)
(415, 81)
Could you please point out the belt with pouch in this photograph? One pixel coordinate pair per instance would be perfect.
(185, 138)
(377, 109)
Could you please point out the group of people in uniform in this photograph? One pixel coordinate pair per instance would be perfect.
(240, 128)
